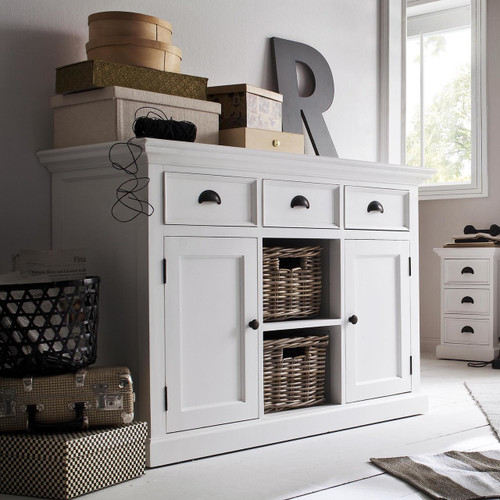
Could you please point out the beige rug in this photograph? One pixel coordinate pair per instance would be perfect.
(487, 396)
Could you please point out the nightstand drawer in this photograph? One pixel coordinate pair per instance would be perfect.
(372, 208)
(300, 204)
(466, 330)
(210, 200)
(467, 301)
(458, 271)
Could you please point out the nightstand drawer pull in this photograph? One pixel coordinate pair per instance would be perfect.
(209, 196)
(300, 201)
(467, 270)
(375, 206)
(467, 329)
(467, 300)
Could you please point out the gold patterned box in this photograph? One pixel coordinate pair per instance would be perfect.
(107, 115)
(67, 465)
(87, 75)
(244, 105)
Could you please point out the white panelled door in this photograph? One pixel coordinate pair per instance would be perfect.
(377, 302)
(211, 351)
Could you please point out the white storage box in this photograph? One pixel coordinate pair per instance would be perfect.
(107, 115)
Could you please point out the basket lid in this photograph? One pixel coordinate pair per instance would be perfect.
(129, 16)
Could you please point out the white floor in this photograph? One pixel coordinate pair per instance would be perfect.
(332, 466)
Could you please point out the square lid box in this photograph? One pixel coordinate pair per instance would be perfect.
(66, 465)
(244, 105)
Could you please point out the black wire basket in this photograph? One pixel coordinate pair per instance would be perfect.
(48, 328)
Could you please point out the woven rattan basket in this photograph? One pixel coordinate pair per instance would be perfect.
(294, 372)
(291, 282)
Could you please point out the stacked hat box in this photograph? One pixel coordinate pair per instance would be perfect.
(131, 65)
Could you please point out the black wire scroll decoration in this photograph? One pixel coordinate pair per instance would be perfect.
(126, 192)
(154, 124)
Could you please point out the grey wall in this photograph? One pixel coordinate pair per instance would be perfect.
(224, 40)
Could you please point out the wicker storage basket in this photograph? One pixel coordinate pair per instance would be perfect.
(48, 328)
(294, 372)
(292, 282)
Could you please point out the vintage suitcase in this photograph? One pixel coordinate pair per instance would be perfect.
(66, 465)
(91, 397)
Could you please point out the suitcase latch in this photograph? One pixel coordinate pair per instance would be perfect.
(125, 380)
(7, 403)
(80, 378)
(106, 400)
(28, 384)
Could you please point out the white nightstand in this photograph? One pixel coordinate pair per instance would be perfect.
(469, 303)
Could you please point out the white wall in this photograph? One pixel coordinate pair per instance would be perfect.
(224, 40)
(440, 220)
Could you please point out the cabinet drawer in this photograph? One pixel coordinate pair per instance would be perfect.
(466, 271)
(467, 301)
(210, 200)
(300, 204)
(466, 330)
(371, 208)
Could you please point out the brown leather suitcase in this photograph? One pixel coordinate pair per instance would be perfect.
(90, 397)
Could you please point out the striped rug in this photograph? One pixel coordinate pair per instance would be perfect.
(454, 475)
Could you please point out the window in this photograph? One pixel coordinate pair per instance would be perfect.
(445, 118)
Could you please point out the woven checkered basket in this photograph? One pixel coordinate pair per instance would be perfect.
(48, 328)
(294, 372)
(291, 282)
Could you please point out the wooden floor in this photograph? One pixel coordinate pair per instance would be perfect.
(332, 466)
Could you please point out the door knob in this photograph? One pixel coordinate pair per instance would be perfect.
(353, 319)
(254, 324)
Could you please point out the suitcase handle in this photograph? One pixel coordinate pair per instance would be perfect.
(80, 422)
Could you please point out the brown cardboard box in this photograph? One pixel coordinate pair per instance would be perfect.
(88, 75)
(66, 465)
(267, 140)
(247, 106)
(107, 115)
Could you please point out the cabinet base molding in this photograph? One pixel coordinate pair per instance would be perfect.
(182, 446)
(466, 352)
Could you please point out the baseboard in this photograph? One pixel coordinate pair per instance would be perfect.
(428, 345)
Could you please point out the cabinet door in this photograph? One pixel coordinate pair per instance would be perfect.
(212, 353)
(378, 295)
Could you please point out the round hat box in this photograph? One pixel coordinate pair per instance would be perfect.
(136, 52)
(116, 23)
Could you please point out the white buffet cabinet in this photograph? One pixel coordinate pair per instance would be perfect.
(181, 288)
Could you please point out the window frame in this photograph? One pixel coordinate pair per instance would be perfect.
(478, 187)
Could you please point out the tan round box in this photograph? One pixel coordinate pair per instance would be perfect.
(137, 52)
(116, 23)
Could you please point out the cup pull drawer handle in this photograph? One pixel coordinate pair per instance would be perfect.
(375, 206)
(467, 270)
(467, 329)
(467, 300)
(300, 201)
(209, 196)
